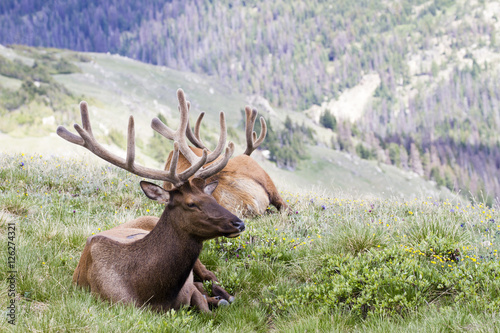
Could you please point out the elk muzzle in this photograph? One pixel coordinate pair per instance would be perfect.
(240, 225)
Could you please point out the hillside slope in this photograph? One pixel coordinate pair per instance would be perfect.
(116, 87)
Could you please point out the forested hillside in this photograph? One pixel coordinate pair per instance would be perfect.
(435, 109)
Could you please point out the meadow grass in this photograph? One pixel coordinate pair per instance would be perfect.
(335, 264)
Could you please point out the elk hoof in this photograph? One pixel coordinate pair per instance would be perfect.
(231, 299)
(223, 302)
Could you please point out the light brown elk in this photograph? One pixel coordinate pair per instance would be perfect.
(150, 260)
(245, 189)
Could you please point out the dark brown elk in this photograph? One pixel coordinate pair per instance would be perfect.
(150, 260)
(245, 189)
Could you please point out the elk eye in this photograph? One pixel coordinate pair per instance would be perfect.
(191, 205)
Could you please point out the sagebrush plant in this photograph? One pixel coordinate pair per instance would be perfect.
(332, 264)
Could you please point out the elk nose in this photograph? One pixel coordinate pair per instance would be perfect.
(239, 224)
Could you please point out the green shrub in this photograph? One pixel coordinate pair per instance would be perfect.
(390, 282)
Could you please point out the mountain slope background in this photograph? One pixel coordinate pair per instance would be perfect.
(116, 87)
(412, 84)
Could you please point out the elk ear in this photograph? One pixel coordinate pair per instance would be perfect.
(155, 192)
(210, 188)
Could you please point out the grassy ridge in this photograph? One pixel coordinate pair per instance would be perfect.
(337, 263)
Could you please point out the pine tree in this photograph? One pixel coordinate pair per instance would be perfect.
(328, 120)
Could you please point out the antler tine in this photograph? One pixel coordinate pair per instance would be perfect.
(175, 159)
(179, 134)
(252, 141)
(197, 127)
(87, 140)
(84, 111)
(181, 131)
(222, 139)
(195, 138)
(130, 143)
(68, 136)
(198, 142)
(217, 166)
(263, 132)
(249, 124)
(162, 129)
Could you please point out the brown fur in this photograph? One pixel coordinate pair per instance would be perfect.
(150, 260)
(245, 189)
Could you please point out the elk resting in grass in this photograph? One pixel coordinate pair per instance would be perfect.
(245, 189)
(150, 260)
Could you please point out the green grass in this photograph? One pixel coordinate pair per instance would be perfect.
(336, 264)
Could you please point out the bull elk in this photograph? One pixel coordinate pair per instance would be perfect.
(150, 260)
(245, 189)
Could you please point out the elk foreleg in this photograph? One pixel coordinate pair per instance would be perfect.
(199, 300)
(213, 301)
(205, 275)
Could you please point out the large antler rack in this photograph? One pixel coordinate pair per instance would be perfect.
(252, 141)
(87, 140)
(184, 130)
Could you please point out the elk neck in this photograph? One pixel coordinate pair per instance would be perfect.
(167, 257)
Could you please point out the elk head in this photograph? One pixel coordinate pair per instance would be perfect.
(193, 201)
